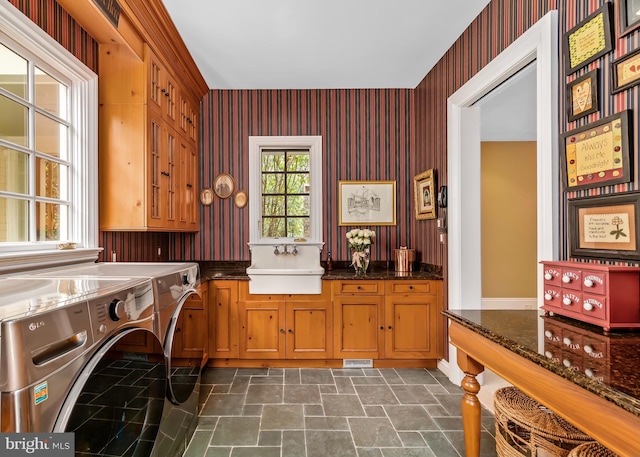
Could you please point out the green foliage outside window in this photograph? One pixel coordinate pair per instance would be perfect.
(286, 205)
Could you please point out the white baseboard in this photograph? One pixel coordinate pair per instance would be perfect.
(510, 303)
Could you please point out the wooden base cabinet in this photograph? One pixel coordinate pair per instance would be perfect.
(386, 319)
(192, 334)
(411, 319)
(223, 319)
(359, 324)
(283, 326)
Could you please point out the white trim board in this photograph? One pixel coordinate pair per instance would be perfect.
(539, 43)
(510, 303)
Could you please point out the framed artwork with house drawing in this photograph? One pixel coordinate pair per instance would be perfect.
(367, 203)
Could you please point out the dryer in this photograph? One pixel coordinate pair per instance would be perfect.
(81, 355)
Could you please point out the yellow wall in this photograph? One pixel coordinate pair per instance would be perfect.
(509, 261)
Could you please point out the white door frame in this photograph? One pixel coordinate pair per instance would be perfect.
(539, 43)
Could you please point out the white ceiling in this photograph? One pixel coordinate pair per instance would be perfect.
(319, 44)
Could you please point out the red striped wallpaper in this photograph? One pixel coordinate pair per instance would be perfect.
(367, 135)
(51, 18)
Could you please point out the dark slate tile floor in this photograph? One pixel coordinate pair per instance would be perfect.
(323, 412)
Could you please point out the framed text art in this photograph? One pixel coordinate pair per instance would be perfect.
(582, 96)
(625, 72)
(597, 154)
(628, 13)
(605, 227)
(589, 40)
(423, 195)
(367, 202)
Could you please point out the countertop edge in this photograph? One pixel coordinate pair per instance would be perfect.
(621, 399)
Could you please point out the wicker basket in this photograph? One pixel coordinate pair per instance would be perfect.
(525, 427)
(592, 449)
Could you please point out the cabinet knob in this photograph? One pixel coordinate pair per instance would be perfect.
(588, 349)
(548, 333)
(589, 372)
(163, 91)
(548, 276)
(588, 307)
(281, 330)
(566, 363)
(566, 301)
(548, 297)
(566, 340)
(390, 328)
(359, 287)
(410, 287)
(165, 173)
(588, 283)
(548, 354)
(189, 185)
(382, 327)
(290, 331)
(566, 279)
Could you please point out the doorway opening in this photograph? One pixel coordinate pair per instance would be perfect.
(538, 44)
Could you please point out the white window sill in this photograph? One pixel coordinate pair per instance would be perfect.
(22, 261)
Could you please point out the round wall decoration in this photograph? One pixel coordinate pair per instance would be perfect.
(206, 196)
(241, 199)
(223, 185)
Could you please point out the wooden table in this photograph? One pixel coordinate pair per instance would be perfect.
(608, 413)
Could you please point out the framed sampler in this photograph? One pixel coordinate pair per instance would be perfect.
(597, 154)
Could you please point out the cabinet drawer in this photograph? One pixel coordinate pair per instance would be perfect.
(553, 296)
(572, 278)
(409, 287)
(552, 275)
(572, 301)
(358, 287)
(594, 306)
(572, 361)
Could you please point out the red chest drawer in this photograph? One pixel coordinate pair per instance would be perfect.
(572, 278)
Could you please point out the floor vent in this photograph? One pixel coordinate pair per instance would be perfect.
(357, 363)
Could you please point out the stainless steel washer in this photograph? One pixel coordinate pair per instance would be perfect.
(173, 283)
(80, 355)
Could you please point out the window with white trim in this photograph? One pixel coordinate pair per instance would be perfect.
(48, 141)
(286, 184)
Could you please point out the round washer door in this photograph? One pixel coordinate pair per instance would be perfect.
(184, 359)
(117, 403)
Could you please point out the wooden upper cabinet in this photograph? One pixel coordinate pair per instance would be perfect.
(148, 162)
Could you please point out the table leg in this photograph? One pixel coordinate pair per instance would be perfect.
(471, 410)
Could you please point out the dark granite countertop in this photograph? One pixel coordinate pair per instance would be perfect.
(610, 367)
(237, 270)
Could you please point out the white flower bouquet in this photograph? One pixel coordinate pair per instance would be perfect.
(360, 241)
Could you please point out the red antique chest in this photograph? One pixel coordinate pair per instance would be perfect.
(603, 295)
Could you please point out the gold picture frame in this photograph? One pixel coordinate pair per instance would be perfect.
(224, 185)
(241, 199)
(424, 195)
(367, 202)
